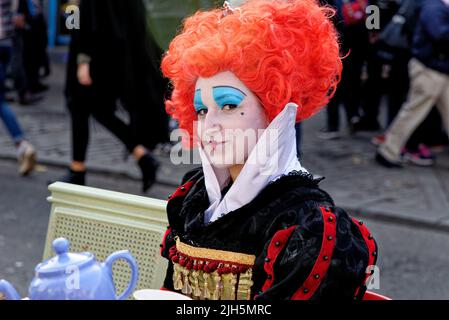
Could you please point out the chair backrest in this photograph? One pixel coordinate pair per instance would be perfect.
(374, 296)
(103, 222)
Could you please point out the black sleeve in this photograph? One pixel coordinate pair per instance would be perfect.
(436, 24)
(86, 33)
(296, 264)
(23, 8)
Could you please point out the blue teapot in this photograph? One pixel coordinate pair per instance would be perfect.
(74, 276)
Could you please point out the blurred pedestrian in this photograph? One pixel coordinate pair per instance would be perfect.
(375, 63)
(350, 23)
(429, 73)
(26, 153)
(34, 42)
(390, 50)
(27, 55)
(43, 60)
(113, 59)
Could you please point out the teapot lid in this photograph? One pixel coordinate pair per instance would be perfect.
(63, 261)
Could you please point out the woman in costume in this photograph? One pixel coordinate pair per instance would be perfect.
(252, 223)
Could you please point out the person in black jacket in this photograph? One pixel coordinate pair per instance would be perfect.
(429, 73)
(29, 50)
(113, 58)
(354, 46)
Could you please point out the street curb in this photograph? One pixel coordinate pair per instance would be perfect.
(353, 211)
(394, 219)
(95, 170)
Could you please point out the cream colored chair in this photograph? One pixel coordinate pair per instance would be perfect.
(103, 222)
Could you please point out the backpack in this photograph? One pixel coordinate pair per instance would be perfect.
(398, 33)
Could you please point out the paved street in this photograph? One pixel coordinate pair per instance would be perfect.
(413, 262)
(413, 195)
(407, 210)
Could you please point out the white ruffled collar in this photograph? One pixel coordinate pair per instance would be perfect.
(280, 140)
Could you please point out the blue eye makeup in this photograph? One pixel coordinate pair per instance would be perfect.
(228, 96)
(200, 108)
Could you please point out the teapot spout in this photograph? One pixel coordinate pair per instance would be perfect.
(8, 290)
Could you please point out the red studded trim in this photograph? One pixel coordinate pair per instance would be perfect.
(163, 240)
(276, 245)
(371, 245)
(182, 190)
(322, 264)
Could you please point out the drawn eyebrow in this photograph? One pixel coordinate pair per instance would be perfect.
(231, 88)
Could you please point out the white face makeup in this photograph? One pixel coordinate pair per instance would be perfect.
(230, 119)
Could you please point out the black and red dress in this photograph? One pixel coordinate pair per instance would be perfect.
(289, 242)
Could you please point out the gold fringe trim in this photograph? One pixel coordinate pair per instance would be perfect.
(229, 286)
(230, 280)
(177, 277)
(200, 285)
(245, 283)
(212, 254)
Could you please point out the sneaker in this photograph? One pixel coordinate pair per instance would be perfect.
(385, 162)
(328, 134)
(26, 155)
(422, 157)
(378, 140)
(424, 151)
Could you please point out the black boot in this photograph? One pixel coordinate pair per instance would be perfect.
(148, 165)
(73, 177)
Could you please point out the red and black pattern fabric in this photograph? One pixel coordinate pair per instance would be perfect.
(305, 246)
(322, 263)
(372, 258)
(276, 246)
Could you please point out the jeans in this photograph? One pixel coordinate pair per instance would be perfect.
(10, 121)
(6, 114)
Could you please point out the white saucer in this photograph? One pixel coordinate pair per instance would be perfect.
(150, 294)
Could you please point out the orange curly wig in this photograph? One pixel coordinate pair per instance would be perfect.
(284, 51)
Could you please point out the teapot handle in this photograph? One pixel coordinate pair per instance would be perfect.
(7, 289)
(125, 255)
